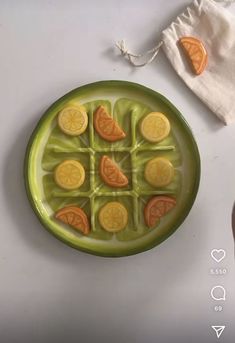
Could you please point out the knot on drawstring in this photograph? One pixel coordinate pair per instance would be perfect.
(122, 47)
(132, 57)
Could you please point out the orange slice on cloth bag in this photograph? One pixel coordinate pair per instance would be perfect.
(195, 52)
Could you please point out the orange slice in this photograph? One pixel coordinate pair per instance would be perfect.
(196, 53)
(113, 216)
(69, 174)
(156, 208)
(111, 174)
(106, 126)
(75, 217)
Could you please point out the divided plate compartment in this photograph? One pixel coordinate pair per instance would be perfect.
(130, 154)
(48, 146)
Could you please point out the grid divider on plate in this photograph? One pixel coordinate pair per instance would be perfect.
(136, 212)
(92, 207)
(92, 171)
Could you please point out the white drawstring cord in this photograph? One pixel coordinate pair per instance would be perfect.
(124, 51)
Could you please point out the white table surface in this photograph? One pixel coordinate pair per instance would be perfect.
(52, 293)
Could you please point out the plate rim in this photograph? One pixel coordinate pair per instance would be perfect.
(181, 217)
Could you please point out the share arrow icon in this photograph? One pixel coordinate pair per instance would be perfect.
(218, 330)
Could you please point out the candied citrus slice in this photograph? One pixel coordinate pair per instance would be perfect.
(113, 216)
(196, 53)
(106, 126)
(159, 172)
(75, 217)
(111, 174)
(73, 120)
(155, 127)
(69, 174)
(156, 208)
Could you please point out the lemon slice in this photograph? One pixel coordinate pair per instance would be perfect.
(159, 172)
(73, 120)
(155, 127)
(69, 174)
(113, 216)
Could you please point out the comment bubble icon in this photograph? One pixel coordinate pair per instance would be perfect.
(218, 293)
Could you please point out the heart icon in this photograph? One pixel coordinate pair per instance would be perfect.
(218, 254)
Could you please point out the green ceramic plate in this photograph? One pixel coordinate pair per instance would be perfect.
(48, 146)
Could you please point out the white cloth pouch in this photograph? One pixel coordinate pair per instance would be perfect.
(214, 26)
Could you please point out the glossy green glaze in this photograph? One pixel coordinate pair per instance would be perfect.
(128, 103)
